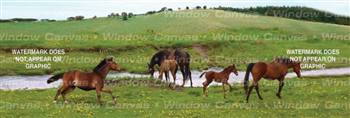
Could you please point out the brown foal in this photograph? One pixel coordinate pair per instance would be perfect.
(86, 80)
(168, 65)
(221, 77)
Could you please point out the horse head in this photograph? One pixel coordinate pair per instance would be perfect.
(234, 70)
(150, 69)
(231, 68)
(112, 64)
(297, 68)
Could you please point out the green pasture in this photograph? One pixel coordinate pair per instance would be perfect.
(308, 97)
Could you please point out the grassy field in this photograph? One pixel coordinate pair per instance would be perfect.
(308, 97)
(213, 38)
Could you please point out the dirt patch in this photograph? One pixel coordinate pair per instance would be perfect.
(202, 50)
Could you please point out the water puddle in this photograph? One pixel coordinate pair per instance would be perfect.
(39, 82)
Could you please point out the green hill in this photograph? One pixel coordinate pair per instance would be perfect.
(206, 34)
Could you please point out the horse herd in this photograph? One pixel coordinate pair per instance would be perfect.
(169, 61)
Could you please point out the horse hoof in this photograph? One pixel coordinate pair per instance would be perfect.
(279, 96)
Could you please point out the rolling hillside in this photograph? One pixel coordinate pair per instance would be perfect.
(203, 33)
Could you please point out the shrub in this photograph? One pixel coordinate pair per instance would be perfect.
(124, 16)
(24, 19)
(130, 15)
(79, 17)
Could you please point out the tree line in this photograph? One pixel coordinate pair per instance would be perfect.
(293, 12)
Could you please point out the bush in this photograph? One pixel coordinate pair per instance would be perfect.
(75, 18)
(163, 9)
(70, 18)
(5, 20)
(79, 17)
(24, 19)
(47, 20)
(150, 12)
(124, 16)
(130, 15)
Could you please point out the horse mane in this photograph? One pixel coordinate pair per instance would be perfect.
(228, 68)
(284, 60)
(100, 65)
(159, 56)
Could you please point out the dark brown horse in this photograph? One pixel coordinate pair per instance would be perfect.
(275, 70)
(86, 80)
(221, 77)
(183, 60)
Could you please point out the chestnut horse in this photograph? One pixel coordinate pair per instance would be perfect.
(221, 77)
(168, 65)
(275, 70)
(86, 80)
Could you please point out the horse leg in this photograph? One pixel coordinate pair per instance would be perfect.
(58, 93)
(167, 76)
(182, 69)
(250, 89)
(98, 95)
(223, 87)
(189, 76)
(160, 77)
(65, 92)
(281, 84)
(257, 91)
(228, 85)
(205, 85)
(167, 79)
(174, 77)
(110, 93)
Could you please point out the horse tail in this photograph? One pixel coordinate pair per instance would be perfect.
(246, 78)
(202, 74)
(55, 78)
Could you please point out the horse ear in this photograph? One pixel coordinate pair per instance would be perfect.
(109, 58)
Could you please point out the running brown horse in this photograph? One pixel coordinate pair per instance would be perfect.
(221, 77)
(86, 80)
(276, 70)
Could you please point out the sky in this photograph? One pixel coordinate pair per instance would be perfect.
(61, 9)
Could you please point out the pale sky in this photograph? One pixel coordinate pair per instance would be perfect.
(61, 9)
